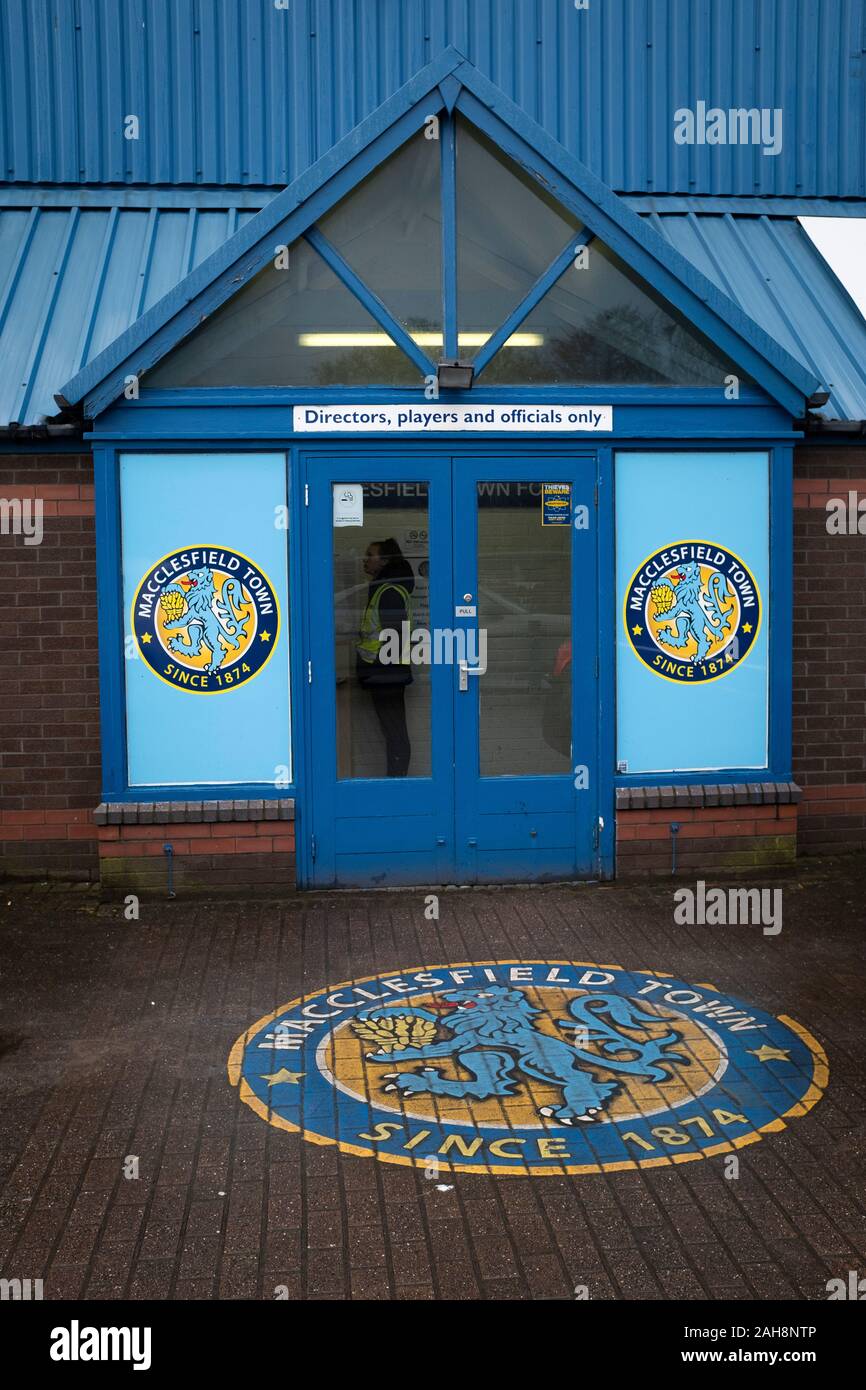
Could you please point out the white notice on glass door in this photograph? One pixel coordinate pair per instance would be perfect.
(348, 504)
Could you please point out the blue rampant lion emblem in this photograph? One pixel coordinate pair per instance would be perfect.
(216, 623)
(493, 1037)
(693, 613)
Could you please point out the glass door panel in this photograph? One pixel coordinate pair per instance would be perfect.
(380, 747)
(524, 608)
(525, 713)
(446, 721)
(381, 576)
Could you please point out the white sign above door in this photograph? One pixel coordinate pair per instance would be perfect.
(431, 418)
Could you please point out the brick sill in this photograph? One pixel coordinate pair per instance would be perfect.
(191, 812)
(707, 794)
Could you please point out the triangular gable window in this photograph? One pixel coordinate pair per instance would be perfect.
(294, 327)
(509, 230)
(602, 325)
(364, 300)
(389, 231)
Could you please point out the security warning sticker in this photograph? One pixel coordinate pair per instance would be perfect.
(555, 504)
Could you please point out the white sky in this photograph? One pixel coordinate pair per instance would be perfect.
(842, 243)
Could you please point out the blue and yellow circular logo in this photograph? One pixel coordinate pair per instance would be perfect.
(528, 1067)
(692, 611)
(206, 619)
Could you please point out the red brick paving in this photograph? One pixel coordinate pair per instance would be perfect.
(115, 1042)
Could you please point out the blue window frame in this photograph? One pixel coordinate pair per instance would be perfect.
(116, 785)
(775, 390)
(777, 599)
(449, 87)
(122, 761)
(692, 649)
(591, 318)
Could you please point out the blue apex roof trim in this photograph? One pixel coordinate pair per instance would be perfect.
(381, 133)
(291, 212)
(788, 284)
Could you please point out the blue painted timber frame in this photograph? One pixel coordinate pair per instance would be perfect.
(446, 86)
(371, 302)
(780, 652)
(233, 419)
(137, 426)
(111, 621)
(482, 801)
(358, 802)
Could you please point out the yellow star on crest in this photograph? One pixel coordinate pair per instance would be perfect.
(265, 636)
(747, 627)
(145, 639)
(637, 630)
(277, 1078)
(769, 1054)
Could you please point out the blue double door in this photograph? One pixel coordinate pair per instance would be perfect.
(450, 669)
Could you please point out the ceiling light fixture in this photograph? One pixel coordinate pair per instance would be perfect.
(423, 339)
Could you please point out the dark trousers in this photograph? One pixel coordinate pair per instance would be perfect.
(390, 706)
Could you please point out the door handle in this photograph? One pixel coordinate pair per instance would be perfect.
(465, 671)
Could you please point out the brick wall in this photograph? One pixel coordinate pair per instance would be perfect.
(49, 693)
(249, 856)
(715, 826)
(50, 772)
(829, 703)
(829, 654)
(721, 837)
(49, 707)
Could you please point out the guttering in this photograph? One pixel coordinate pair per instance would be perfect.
(45, 431)
(815, 425)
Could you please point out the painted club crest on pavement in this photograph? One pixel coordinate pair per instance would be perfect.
(692, 611)
(205, 619)
(531, 1067)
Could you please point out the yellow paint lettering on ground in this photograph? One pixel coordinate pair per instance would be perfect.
(418, 1138)
(498, 1149)
(381, 1131)
(552, 1148)
(456, 1141)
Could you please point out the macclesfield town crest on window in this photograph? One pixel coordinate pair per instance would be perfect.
(206, 619)
(692, 611)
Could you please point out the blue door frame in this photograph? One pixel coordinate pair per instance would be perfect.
(452, 826)
(371, 831)
(531, 827)
(146, 425)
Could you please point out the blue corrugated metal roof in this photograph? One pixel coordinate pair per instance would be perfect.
(770, 267)
(239, 92)
(72, 279)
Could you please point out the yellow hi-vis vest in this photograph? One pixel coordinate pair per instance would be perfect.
(369, 644)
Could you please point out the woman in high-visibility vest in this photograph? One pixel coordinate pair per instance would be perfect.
(389, 606)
